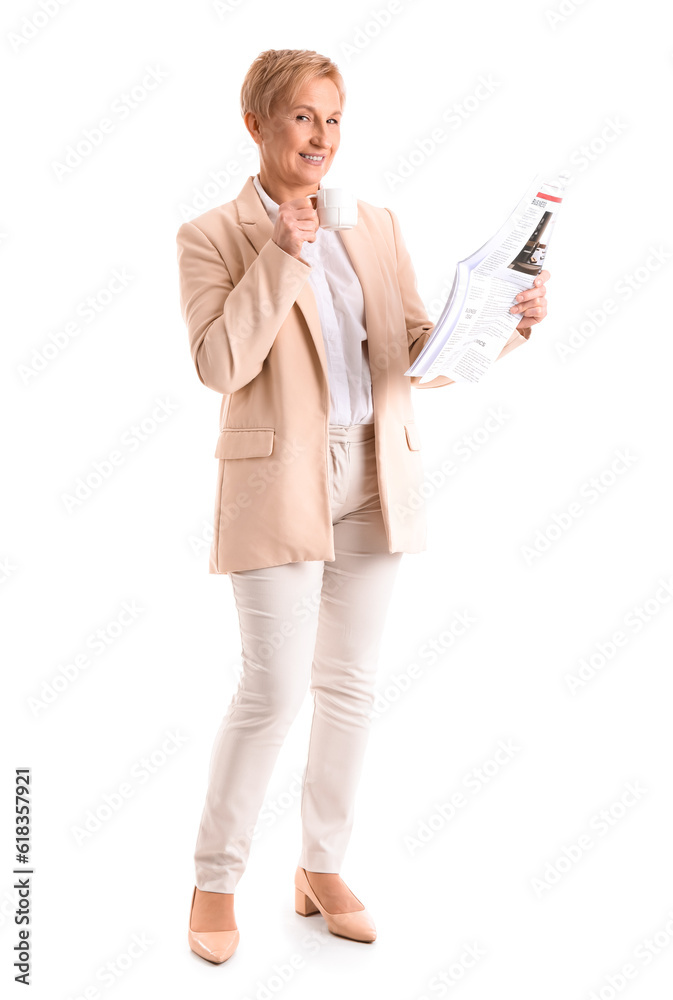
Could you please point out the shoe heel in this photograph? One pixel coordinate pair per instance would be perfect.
(302, 904)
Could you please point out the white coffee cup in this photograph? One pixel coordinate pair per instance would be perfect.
(337, 208)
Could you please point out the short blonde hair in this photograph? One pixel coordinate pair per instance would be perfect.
(277, 75)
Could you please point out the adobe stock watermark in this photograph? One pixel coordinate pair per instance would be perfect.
(94, 136)
(284, 973)
(87, 310)
(453, 117)
(110, 973)
(268, 469)
(7, 907)
(303, 612)
(462, 451)
(587, 153)
(644, 953)
(604, 651)
(598, 827)
(436, 305)
(212, 190)
(140, 773)
(559, 15)
(101, 471)
(274, 809)
(441, 982)
(224, 7)
(589, 493)
(474, 780)
(33, 24)
(628, 285)
(97, 642)
(378, 20)
(226, 368)
(200, 543)
(7, 569)
(401, 682)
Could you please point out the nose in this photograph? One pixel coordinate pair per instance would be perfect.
(320, 136)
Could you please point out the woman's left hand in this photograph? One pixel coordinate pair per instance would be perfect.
(531, 303)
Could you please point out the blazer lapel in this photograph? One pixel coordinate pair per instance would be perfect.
(258, 228)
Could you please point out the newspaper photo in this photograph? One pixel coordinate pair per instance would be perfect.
(476, 322)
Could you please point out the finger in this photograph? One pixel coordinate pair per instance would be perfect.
(304, 231)
(302, 207)
(531, 293)
(526, 294)
(537, 289)
(526, 311)
(301, 213)
(300, 202)
(531, 298)
(530, 303)
(534, 312)
(537, 312)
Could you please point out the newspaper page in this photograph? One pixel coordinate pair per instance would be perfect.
(476, 322)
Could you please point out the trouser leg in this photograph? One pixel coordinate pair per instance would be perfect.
(277, 644)
(356, 591)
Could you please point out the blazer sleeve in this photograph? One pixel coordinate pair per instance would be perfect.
(419, 326)
(232, 327)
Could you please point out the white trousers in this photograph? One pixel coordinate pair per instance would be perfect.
(305, 625)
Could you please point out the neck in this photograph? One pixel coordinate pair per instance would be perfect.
(280, 192)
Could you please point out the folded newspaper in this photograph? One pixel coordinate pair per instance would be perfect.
(476, 322)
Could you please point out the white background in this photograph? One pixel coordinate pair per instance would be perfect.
(597, 76)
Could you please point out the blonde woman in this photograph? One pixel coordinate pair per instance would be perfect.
(307, 334)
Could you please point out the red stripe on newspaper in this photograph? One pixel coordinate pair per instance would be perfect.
(549, 197)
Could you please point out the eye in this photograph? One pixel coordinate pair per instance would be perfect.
(329, 119)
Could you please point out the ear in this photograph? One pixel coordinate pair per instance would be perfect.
(252, 124)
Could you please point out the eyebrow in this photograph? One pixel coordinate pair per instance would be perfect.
(309, 108)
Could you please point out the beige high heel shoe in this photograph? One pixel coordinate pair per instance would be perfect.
(356, 924)
(214, 946)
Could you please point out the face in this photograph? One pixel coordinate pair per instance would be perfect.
(299, 143)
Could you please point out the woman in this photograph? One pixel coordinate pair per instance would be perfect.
(307, 334)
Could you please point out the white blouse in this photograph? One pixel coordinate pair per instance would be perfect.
(341, 309)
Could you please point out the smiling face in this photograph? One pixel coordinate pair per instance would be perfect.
(299, 143)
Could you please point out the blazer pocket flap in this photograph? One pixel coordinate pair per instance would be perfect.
(245, 442)
(413, 439)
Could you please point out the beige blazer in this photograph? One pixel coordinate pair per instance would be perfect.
(255, 337)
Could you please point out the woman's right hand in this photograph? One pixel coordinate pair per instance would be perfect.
(297, 222)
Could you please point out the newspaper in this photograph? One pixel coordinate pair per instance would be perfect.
(476, 322)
